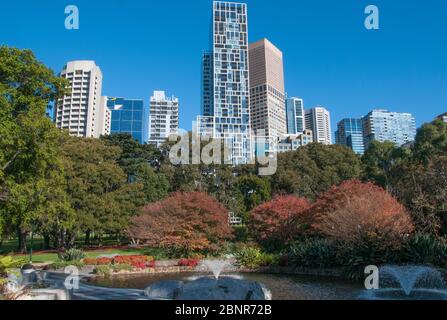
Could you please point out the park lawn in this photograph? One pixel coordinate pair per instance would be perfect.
(42, 257)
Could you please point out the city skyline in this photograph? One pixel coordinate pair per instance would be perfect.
(358, 87)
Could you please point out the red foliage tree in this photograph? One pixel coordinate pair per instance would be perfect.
(354, 212)
(276, 222)
(185, 221)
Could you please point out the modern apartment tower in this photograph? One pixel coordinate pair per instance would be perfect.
(129, 116)
(267, 96)
(164, 117)
(350, 134)
(80, 110)
(225, 101)
(295, 116)
(383, 125)
(318, 120)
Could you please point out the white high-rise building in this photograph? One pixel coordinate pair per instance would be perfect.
(318, 120)
(106, 118)
(81, 110)
(164, 117)
(383, 125)
(225, 85)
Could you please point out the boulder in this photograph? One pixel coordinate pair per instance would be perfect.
(164, 290)
(206, 288)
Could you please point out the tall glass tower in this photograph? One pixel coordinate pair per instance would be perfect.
(225, 101)
(350, 134)
(295, 116)
(129, 116)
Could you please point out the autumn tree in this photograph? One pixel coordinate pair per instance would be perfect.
(276, 222)
(355, 212)
(184, 221)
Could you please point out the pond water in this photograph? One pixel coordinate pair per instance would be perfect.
(282, 287)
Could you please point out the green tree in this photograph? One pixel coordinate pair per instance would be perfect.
(313, 169)
(379, 160)
(98, 189)
(431, 140)
(28, 139)
(255, 190)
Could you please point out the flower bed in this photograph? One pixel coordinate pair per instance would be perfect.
(136, 261)
(192, 263)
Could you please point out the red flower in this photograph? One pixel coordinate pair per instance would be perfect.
(188, 263)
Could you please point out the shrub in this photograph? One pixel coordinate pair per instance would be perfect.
(192, 263)
(102, 270)
(122, 267)
(72, 254)
(8, 262)
(253, 258)
(312, 253)
(276, 222)
(354, 212)
(137, 261)
(103, 261)
(425, 249)
(184, 221)
(63, 264)
(3, 283)
(90, 261)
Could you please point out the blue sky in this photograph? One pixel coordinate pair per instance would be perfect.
(330, 58)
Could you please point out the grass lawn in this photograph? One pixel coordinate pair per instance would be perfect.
(9, 246)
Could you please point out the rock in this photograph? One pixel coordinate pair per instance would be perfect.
(168, 289)
(45, 294)
(225, 288)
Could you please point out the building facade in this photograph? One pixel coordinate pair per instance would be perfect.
(81, 111)
(267, 96)
(129, 116)
(295, 116)
(443, 117)
(164, 117)
(318, 120)
(294, 141)
(383, 125)
(225, 104)
(350, 134)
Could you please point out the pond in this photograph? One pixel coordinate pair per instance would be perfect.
(282, 287)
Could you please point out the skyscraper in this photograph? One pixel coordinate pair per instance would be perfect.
(129, 116)
(228, 116)
(383, 125)
(318, 120)
(350, 134)
(295, 116)
(164, 117)
(207, 84)
(80, 110)
(267, 96)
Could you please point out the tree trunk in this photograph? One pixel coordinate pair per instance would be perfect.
(46, 242)
(22, 235)
(61, 245)
(87, 238)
